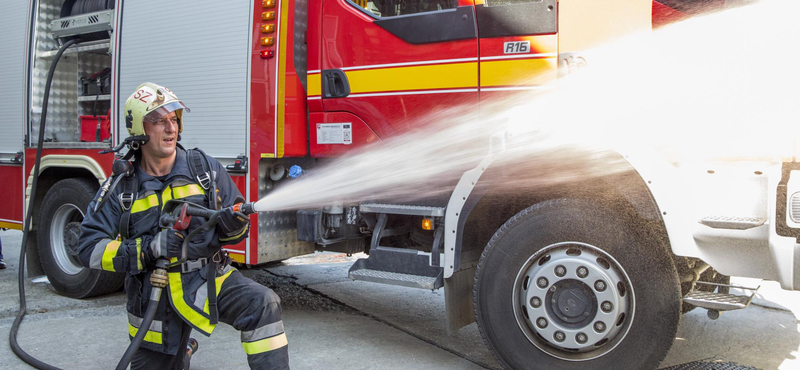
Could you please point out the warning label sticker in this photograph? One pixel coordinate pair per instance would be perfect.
(334, 133)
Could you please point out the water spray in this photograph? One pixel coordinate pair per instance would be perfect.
(706, 89)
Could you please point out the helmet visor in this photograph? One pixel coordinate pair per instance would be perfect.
(163, 110)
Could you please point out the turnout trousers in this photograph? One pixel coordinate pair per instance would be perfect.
(249, 307)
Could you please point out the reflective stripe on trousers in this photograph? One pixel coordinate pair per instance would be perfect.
(153, 333)
(255, 310)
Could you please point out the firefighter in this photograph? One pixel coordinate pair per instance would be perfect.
(124, 235)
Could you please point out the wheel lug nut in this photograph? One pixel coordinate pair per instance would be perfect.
(582, 272)
(599, 327)
(599, 285)
(581, 338)
(561, 271)
(559, 336)
(541, 322)
(536, 302)
(607, 306)
(542, 282)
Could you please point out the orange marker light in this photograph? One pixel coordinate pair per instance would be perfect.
(267, 41)
(267, 28)
(427, 224)
(267, 16)
(268, 3)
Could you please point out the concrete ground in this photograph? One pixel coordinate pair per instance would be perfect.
(335, 323)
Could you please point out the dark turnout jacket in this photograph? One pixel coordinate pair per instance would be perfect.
(101, 247)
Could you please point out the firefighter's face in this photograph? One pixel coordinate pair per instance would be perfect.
(163, 136)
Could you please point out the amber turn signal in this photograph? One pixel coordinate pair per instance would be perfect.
(267, 28)
(267, 16)
(267, 41)
(268, 3)
(427, 224)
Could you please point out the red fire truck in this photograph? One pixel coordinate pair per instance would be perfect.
(278, 83)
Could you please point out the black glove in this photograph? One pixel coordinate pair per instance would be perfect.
(167, 243)
(231, 224)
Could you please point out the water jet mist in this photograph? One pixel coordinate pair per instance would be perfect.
(711, 88)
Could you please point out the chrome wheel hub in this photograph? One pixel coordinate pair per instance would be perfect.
(573, 301)
(64, 235)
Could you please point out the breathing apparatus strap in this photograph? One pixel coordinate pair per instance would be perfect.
(201, 173)
(126, 198)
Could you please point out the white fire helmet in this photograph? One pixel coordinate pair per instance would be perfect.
(149, 103)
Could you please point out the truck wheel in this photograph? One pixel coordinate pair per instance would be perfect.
(566, 284)
(59, 225)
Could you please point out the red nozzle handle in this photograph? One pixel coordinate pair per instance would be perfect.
(182, 223)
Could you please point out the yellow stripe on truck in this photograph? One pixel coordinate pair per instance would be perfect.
(9, 225)
(516, 72)
(281, 106)
(428, 77)
(314, 84)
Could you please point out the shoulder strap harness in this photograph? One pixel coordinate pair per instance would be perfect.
(202, 173)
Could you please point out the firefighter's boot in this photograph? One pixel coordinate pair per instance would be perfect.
(191, 349)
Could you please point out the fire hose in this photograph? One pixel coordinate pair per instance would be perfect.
(12, 337)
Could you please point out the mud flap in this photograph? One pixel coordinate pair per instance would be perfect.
(458, 300)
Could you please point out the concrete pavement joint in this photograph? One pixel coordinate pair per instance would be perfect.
(378, 319)
(771, 308)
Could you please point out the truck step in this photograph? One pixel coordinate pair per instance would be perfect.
(402, 209)
(732, 222)
(394, 266)
(395, 278)
(719, 301)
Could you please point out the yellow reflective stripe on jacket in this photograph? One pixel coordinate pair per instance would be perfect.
(139, 254)
(184, 310)
(219, 280)
(239, 235)
(151, 336)
(166, 196)
(169, 193)
(265, 345)
(108, 255)
(145, 203)
(186, 191)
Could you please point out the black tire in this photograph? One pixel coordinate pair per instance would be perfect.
(640, 343)
(62, 210)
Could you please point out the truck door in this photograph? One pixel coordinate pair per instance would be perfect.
(14, 27)
(518, 45)
(387, 64)
(203, 60)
